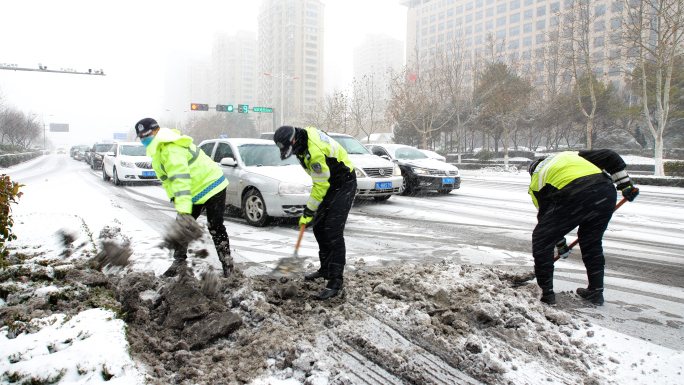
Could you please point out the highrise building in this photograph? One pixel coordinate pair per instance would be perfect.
(290, 50)
(525, 34)
(375, 57)
(234, 69)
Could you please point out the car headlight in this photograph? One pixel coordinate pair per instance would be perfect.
(417, 170)
(359, 173)
(127, 164)
(397, 170)
(293, 188)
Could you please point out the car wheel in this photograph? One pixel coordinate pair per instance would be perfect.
(406, 188)
(117, 181)
(382, 198)
(105, 177)
(444, 191)
(254, 208)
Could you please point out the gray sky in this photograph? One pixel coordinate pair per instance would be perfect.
(130, 40)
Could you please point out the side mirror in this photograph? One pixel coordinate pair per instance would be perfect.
(110, 154)
(230, 162)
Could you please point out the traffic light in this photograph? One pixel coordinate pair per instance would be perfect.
(224, 108)
(243, 108)
(199, 107)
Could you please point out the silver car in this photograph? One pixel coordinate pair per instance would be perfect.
(376, 177)
(259, 183)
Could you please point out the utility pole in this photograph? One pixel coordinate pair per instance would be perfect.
(282, 77)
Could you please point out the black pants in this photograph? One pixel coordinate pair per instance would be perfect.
(329, 223)
(215, 206)
(591, 209)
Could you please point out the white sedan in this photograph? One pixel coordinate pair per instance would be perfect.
(127, 162)
(259, 183)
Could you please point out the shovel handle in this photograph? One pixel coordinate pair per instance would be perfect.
(576, 241)
(301, 233)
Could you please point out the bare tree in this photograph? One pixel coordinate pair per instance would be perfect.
(502, 96)
(419, 97)
(365, 106)
(654, 29)
(581, 42)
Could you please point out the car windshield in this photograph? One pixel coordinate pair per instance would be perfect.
(84, 148)
(103, 147)
(132, 150)
(263, 155)
(351, 145)
(409, 153)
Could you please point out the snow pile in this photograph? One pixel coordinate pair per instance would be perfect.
(89, 347)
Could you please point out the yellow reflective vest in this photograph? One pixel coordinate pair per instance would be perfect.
(327, 162)
(556, 172)
(188, 175)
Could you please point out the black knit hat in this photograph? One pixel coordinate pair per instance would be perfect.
(284, 137)
(145, 127)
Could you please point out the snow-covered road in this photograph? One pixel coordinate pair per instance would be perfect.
(488, 221)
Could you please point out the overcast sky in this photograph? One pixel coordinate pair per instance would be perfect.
(130, 41)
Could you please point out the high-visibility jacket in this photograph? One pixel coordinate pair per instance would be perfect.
(188, 175)
(556, 172)
(328, 164)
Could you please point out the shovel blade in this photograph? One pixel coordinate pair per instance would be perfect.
(288, 266)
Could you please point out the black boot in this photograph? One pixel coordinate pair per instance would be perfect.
(545, 282)
(224, 256)
(595, 296)
(320, 273)
(177, 265)
(334, 285)
(316, 274)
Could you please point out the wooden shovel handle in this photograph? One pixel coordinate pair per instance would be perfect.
(301, 233)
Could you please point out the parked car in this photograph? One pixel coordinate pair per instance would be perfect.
(433, 155)
(420, 173)
(80, 152)
(97, 154)
(127, 162)
(375, 177)
(259, 183)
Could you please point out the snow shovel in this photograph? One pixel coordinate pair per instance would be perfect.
(570, 246)
(291, 265)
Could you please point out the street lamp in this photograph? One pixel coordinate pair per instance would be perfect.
(282, 77)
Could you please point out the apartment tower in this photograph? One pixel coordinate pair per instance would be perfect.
(291, 51)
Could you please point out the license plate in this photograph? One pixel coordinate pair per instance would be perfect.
(447, 180)
(383, 185)
(148, 173)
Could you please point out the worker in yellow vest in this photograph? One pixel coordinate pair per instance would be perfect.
(193, 182)
(334, 187)
(575, 189)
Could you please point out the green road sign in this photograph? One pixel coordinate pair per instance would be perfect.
(262, 109)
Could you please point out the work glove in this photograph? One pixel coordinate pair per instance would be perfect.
(562, 249)
(306, 217)
(187, 229)
(629, 192)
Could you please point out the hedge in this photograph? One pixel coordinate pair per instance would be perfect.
(654, 181)
(8, 160)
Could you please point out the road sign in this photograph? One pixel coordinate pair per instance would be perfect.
(224, 137)
(59, 127)
(243, 108)
(262, 109)
(120, 136)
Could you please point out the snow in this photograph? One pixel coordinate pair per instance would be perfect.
(82, 346)
(81, 349)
